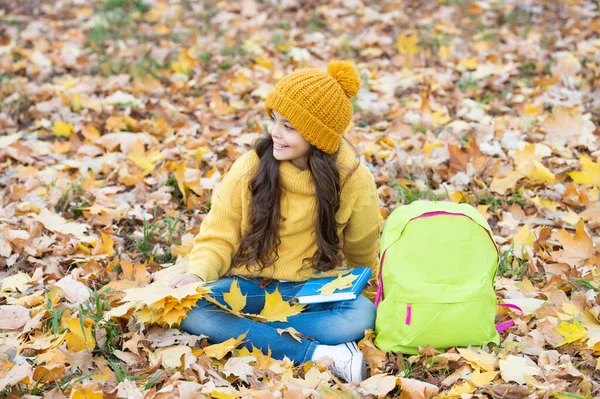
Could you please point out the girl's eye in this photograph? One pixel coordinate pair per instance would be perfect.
(288, 127)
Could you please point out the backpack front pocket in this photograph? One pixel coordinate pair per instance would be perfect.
(440, 325)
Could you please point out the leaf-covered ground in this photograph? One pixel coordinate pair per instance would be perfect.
(118, 117)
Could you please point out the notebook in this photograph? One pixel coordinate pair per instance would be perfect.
(311, 291)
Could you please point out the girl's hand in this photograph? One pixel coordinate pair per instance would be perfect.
(183, 279)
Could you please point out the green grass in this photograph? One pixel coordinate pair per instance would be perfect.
(151, 241)
(411, 192)
(495, 201)
(512, 266)
(72, 201)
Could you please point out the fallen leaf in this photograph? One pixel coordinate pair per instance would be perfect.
(16, 374)
(590, 173)
(276, 309)
(515, 368)
(570, 331)
(292, 331)
(218, 351)
(74, 291)
(13, 317)
(79, 339)
(62, 129)
(234, 298)
(576, 249)
(239, 367)
(379, 385)
(340, 283)
(415, 389)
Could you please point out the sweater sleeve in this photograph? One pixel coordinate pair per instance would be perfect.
(361, 234)
(220, 232)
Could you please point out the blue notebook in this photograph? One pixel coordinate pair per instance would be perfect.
(310, 293)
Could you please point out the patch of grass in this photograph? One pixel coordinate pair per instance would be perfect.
(317, 23)
(145, 245)
(419, 129)
(580, 284)
(172, 182)
(511, 266)
(97, 36)
(53, 323)
(72, 201)
(411, 192)
(229, 51)
(94, 309)
(122, 371)
(487, 198)
(172, 224)
(466, 83)
(205, 57)
(225, 65)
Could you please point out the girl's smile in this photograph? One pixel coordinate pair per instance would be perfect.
(288, 143)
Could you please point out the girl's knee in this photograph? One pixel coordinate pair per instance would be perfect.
(198, 320)
(366, 311)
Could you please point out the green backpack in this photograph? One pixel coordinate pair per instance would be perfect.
(437, 271)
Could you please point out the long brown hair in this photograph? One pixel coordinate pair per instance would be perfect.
(258, 248)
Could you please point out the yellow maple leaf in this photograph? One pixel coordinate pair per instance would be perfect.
(407, 44)
(262, 361)
(531, 110)
(144, 160)
(276, 309)
(503, 184)
(480, 379)
(218, 351)
(590, 173)
(538, 172)
(60, 128)
(523, 238)
(340, 283)
(184, 62)
(104, 246)
(467, 63)
(234, 298)
(570, 331)
(78, 339)
(545, 203)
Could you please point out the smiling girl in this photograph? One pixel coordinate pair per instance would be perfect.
(299, 202)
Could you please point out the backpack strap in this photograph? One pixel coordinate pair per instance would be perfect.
(379, 296)
(503, 326)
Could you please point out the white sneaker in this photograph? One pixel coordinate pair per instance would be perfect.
(347, 362)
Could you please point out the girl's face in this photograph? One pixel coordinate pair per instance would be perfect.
(288, 143)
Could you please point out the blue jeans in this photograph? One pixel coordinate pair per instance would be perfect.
(326, 323)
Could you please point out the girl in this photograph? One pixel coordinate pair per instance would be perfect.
(300, 202)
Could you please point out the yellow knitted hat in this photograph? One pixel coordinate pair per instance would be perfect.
(317, 103)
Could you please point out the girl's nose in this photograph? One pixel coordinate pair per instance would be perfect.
(275, 130)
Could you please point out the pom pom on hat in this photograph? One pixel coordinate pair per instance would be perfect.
(346, 75)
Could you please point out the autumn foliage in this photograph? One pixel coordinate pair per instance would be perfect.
(119, 117)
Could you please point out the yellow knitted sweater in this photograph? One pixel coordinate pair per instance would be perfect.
(227, 222)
